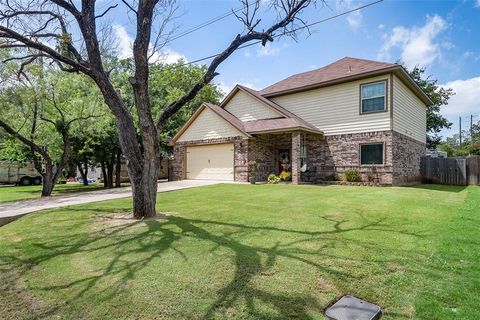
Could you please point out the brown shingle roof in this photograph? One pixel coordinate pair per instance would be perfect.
(343, 68)
(274, 125)
(277, 107)
(260, 126)
(237, 123)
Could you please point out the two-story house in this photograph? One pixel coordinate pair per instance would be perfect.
(353, 113)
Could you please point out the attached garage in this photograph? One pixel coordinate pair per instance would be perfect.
(210, 162)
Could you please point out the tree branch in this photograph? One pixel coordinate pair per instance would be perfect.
(52, 53)
(106, 11)
(130, 7)
(24, 140)
(70, 7)
(291, 7)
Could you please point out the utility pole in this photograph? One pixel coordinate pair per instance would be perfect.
(471, 129)
(460, 130)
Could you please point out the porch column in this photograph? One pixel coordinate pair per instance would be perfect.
(296, 146)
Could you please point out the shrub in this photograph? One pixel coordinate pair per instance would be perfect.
(332, 177)
(352, 175)
(285, 176)
(371, 177)
(273, 179)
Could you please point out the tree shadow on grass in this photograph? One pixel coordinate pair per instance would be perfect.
(135, 250)
(438, 187)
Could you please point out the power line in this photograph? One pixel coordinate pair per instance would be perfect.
(204, 24)
(197, 27)
(283, 33)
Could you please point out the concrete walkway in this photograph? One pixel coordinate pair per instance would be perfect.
(13, 210)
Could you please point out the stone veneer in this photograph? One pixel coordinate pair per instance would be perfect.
(325, 155)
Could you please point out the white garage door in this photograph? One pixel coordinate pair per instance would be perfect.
(210, 162)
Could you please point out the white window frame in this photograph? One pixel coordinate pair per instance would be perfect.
(385, 96)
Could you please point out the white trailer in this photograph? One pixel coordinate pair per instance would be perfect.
(23, 174)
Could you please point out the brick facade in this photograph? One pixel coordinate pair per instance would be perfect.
(295, 151)
(264, 150)
(325, 155)
(407, 154)
(342, 152)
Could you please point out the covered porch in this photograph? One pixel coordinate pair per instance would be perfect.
(295, 151)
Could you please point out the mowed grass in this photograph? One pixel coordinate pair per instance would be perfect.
(249, 252)
(16, 193)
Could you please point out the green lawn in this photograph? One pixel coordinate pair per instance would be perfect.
(14, 193)
(249, 252)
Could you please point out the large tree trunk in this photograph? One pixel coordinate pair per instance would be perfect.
(85, 180)
(104, 174)
(110, 174)
(83, 174)
(145, 190)
(47, 180)
(118, 169)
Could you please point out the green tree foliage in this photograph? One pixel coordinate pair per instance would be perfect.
(169, 82)
(41, 110)
(470, 143)
(439, 96)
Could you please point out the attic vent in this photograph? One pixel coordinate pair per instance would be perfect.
(349, 69)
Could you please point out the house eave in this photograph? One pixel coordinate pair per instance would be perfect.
(286, 130)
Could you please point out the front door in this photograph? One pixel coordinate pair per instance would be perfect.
(284, 160)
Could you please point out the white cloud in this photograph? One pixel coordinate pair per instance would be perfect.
(224, 87)
(125, 42)
(419, 45)
(250, 85)
(471, 55)
(167, 55)
(477, 3)
(268, 50)
(381, 26)
(125, 45)
(355, 20)
(466, 100)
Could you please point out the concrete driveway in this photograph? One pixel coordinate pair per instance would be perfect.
(13, 210)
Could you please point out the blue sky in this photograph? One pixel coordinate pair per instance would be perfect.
(442, 36)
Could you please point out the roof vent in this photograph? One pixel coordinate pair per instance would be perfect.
(349, 68)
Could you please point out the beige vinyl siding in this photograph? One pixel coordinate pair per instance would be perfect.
(336, 109)
(409, 112)
(246, 108)
(209, 125)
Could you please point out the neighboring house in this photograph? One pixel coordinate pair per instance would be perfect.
(353, 113)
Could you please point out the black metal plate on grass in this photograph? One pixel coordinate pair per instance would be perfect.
(351, 308)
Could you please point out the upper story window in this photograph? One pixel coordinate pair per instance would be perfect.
(373, 97)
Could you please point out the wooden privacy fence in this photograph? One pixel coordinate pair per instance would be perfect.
(473, 170)
(455, 171)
